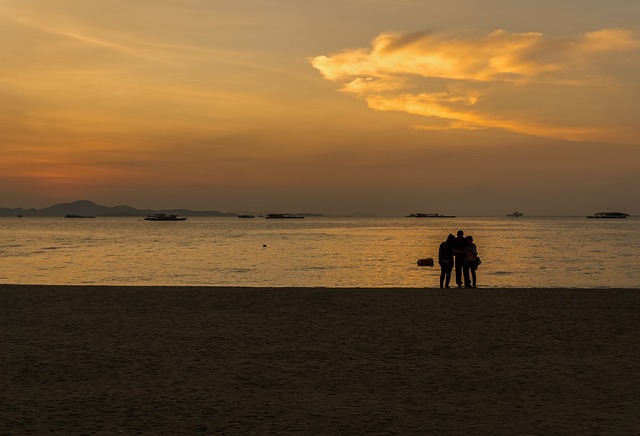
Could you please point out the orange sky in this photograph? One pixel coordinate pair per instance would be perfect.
(355, 106)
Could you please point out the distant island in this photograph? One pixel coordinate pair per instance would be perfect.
(86, 208)
(89, 208)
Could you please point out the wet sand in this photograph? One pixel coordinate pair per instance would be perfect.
(198, 360)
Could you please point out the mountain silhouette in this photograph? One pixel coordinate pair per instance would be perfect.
(89, 208)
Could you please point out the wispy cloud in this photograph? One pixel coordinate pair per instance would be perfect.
(471, 83)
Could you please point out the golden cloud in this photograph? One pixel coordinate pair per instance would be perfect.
(467, 83)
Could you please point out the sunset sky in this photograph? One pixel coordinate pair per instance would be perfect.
(381, 107)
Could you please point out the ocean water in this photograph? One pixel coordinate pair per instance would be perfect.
(525, 252)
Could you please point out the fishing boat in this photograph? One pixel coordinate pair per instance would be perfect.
(164, 217)
(609, 215)
(245, 216)
(515, 213)
(429, 215)
(76, 216)
(282, 216)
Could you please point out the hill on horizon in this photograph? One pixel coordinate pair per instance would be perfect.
(89, 208)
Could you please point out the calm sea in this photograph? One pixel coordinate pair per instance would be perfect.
(329, 252)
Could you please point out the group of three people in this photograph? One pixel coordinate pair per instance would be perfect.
(462, 253)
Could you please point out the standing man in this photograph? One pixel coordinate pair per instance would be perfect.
(459, 253)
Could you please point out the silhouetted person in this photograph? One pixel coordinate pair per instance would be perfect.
(459, 253)
(471, 263)
(445, 260)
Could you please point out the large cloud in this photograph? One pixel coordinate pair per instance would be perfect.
(504, 80)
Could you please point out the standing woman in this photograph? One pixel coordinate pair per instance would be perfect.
(445, 260)
(471, 260)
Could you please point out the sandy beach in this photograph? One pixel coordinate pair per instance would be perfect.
(200, 360)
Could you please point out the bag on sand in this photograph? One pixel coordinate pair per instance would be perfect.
(425, 262)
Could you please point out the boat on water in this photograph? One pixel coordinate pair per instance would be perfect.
(246, 216)
(515, 213)
(609, 215)
(429, 215)
(164, 217)
(282, 216)
(77, 216)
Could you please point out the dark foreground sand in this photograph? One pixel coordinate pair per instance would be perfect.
(162, 360)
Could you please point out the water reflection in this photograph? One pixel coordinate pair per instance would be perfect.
(332, 252)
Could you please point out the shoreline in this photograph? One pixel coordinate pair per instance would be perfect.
(453, 288)
(244, 360)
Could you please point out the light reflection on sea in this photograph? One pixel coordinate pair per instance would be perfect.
(330, 252)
